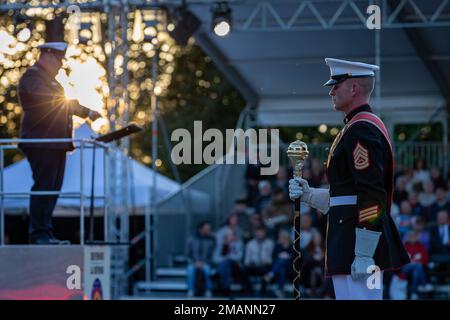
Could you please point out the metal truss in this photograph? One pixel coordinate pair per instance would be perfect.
(348, 14)
(265, 14)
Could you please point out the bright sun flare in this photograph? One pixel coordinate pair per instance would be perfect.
(83, 83)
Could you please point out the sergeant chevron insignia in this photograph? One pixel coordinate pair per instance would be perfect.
(361, 157)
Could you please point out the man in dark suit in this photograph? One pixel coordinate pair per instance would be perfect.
(440, 235)
(440, 204)
(47, 114)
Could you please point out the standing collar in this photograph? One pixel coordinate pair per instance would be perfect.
(40, 67)
(44, 72)
(364, 107)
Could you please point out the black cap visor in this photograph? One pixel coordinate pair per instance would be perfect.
(341, 77)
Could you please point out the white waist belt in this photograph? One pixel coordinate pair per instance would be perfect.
(343, 200)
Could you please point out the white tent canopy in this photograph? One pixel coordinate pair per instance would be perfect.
(18, 179)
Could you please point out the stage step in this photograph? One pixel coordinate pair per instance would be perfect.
(180, 272)
(162, 285)
(170, 282)
(171, 272)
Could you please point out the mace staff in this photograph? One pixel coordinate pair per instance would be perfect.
(297, 154)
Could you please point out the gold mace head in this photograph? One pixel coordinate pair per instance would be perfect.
(297, 154)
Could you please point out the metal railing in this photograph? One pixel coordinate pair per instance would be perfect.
(432, 152)
(405, 153)
(82, 144)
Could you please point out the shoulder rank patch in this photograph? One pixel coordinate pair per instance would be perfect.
(361, 157)
(368, 213)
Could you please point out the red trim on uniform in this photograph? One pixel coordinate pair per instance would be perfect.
(373, 119)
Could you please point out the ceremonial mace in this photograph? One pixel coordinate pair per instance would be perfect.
(297, 154)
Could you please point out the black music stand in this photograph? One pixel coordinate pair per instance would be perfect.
(106, 138)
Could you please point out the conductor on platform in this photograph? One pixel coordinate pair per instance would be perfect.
(362, 239)
(47, 114)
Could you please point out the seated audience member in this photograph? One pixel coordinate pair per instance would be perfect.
(405, 219)
(448, 189)
(263, 200)
(440, 235)
(423, 235)
(316, 173)
(416, 207)
(200, 249)
(256, 222)
(399, 171)
(258, 258)
(282, 262)
(437, 179)
(282, 180)
(319, 220)
(313, 257)
(306, 173)
(427, 197)
(307, 231)
(240, 209)
(411, 185)
(228, 258)
(400, 193)
(279, 212)
(395, 212)
(441, 203)
(421, 173)
(251, 186)
(415, 270)
(232, 224)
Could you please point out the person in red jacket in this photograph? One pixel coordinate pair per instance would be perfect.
(415, 270)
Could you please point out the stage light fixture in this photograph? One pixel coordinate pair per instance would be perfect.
(183, 25)
(221, 23)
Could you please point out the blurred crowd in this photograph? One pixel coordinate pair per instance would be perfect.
(253, 248)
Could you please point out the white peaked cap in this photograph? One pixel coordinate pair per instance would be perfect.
(57, 46)
(342, 69)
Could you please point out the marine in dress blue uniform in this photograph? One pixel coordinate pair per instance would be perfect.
(361, 235)
(47, 114)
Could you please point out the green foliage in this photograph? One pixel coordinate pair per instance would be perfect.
(198, 92)
(419, 132)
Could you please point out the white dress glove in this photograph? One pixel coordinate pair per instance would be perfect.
(315, 197)
(365, 246)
